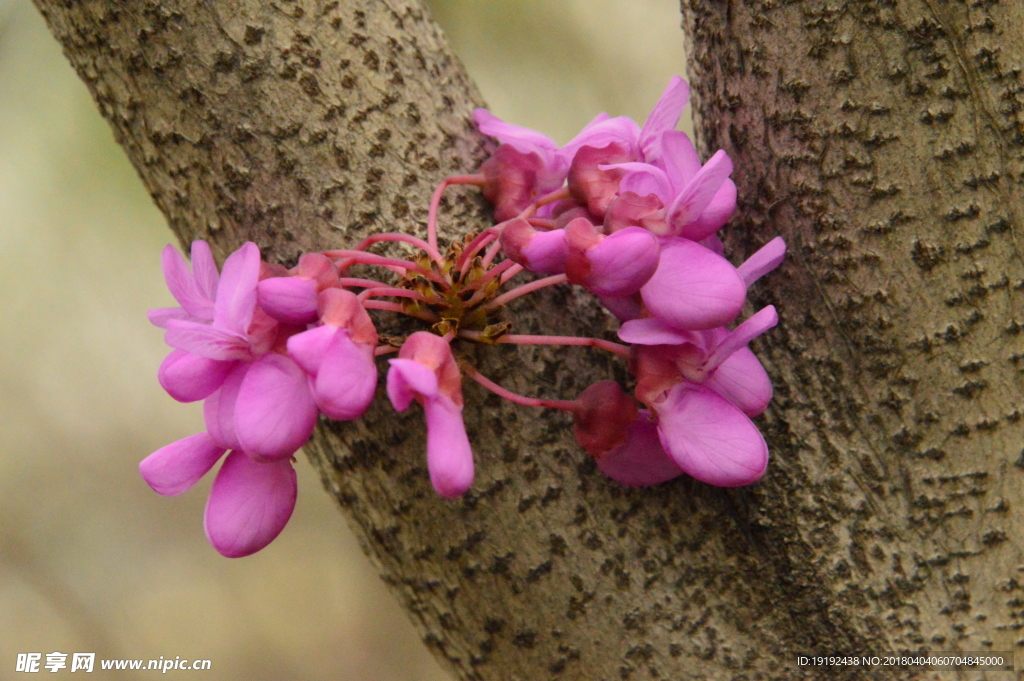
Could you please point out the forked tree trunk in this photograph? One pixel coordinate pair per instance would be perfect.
(881, 139)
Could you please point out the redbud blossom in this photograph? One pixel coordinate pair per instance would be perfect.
(426, 371)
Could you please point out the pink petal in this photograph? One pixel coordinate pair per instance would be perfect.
(714, 217)
(236, 292)
(680, 159)
(308, 348)
(693, 288)
(643, 179)
(713, 244)
(523, 139)
(624, 309)
(183, 287)
(291, 300)
(175, 468)
(204, 269)
(249, 504)
(161, 315)
(652, 331)
(219, 409)
(710, 438)
(742, 380)
(622, 262)
(699, 192)
(640, 461)
(600, 133)
(275, 414)
(347, 379)
(664, 117)
(449, 457)
(407, 378)
(546, 252)
(187, 377)
(766, 259)
(765, 318)
(629, 209)
(206, 341)
(600, 415)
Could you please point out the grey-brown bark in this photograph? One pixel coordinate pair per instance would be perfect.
(884, 140)
(880, 138)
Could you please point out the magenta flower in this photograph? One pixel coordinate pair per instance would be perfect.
(698, 199)
(293, 299)
(640, 460)
(537, 251)
(623, 440)
(696, 288)
(703, 387)
(257, 402)
(195, 291)
(640, 144)
(426, 371)
(693, 287)
(616, 265)
(249, 503)
(338, 356)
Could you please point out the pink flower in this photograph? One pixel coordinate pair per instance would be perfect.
(426, 371)
(338, 355)
(526, 165)
(703, 387)
(640, 144)
(529, 164)
(693, 287)
(257, 401)
(293, 299)
(698, 199)
(623, 440)
(249, 503)
(225, 335)
(595, 174)
(616, 265)
(195, 291)
(536, 250)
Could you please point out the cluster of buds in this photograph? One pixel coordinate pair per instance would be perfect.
(629, 213)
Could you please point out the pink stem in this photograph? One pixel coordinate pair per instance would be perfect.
(492, 273)
(524, 289)
(390, 291)
(435, 201)
(556, 195)
(490, 255)
(384, 350)
(344, 263)
(564, 405)
(519, 339)
(543, 223)
(432, 251)
(512, 271)
(395, 307)
(365, 258)
(362, 283)
(485, 237)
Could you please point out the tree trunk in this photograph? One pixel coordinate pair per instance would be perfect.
(882, 142)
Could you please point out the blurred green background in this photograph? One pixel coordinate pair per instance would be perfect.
(91, 560)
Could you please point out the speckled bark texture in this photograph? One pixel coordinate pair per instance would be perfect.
(882, 139)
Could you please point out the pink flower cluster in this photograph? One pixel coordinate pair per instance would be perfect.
(629, 213)
(637, 227)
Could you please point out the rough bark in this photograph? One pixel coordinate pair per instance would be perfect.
(875, 136)
(883, 140)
